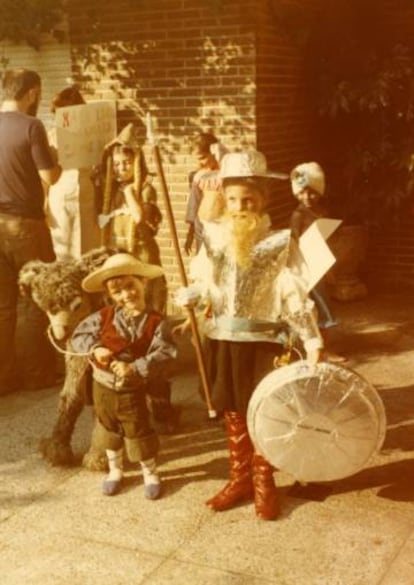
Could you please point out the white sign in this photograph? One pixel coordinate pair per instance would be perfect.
(316, 254)
(83, 131)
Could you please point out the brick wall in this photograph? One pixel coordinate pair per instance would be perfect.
(190, 63)
(220, 65)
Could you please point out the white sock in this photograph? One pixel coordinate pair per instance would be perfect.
(115, 465)
(149, 472)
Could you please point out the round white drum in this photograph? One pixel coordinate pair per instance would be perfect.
(318, 423)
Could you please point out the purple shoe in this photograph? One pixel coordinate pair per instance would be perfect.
(110, 487)
(152, 491)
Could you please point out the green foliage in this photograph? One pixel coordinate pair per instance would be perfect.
(367, 115)
(361, 88)
(26, 20)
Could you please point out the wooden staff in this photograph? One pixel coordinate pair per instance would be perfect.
(183, 276)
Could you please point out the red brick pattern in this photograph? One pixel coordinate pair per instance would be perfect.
(220, 65)
(191, 63)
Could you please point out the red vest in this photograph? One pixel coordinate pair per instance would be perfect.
(111, 339)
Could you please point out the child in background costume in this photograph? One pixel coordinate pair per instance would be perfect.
(240, 272)
(208, 151)
(308, 186)
(129, 345)
(128, 215)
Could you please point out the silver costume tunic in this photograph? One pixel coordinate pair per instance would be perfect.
(252, 303)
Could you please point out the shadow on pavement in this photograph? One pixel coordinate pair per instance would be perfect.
(395, 482)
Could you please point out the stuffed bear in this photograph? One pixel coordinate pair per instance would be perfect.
(56, 289)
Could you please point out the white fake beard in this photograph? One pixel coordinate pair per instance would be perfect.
(243, 233)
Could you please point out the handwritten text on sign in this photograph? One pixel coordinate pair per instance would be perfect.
(83, 131)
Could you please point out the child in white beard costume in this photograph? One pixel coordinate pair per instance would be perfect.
(241, 274)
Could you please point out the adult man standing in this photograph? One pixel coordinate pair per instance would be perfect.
(25, 161)
(241, 274)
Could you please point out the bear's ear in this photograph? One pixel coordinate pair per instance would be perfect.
(28, 273)
(94, 259)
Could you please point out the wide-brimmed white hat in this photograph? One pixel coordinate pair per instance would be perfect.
(249, 163)
(309, 175)
(122, 264)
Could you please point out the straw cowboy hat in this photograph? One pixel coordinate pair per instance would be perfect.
(250, 163)
(309, 175)
(122, 264)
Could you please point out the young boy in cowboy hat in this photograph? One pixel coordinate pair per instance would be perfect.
(129, 346)
(129, 219)
(308, 186)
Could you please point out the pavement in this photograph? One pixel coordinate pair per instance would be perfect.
(57, 529)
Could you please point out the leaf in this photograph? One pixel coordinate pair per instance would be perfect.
(26, 20)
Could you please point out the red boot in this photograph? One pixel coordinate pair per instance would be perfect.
(266, 500)
(240, 486)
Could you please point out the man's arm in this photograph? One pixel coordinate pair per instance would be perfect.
(44, 155)
(50, 176)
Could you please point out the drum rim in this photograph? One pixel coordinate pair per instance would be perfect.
(298, 371)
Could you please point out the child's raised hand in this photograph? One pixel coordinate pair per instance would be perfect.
(102, 356)
(187, 296)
